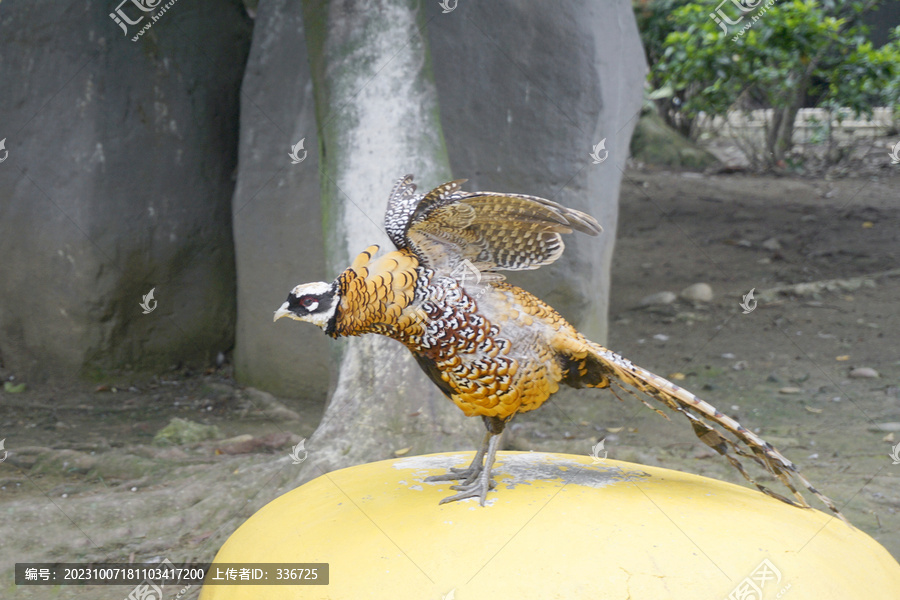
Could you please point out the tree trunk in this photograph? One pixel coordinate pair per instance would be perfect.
(780, 137)
(377, 114)
(781, 134)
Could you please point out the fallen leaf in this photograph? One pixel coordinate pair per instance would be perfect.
(813, 410)
(676, 376)
(868, 225)
(614, 429)
(888, 438)
(402, 451)
(842, 357)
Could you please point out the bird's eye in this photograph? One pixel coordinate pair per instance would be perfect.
(308, 302)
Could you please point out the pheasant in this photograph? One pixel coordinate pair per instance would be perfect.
(494, 349)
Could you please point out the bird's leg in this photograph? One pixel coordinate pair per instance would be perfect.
(468, 474)
(482, 483)
(477, 482)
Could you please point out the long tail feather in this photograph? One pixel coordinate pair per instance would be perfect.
(747, 444)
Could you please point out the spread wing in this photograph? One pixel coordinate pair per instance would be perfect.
(402, 204)
(493, 231)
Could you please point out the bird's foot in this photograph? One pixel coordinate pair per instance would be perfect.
(467, 475)
(476, 478)
(477, 488)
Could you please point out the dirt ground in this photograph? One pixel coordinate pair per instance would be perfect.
(83, 480)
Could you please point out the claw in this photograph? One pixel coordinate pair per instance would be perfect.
(477, 480)
(477, 489)
(468, 474)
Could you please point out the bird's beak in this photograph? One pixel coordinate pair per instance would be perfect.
(282, 312)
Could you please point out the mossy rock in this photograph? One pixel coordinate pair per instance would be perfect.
(181, 431)
(655, 143)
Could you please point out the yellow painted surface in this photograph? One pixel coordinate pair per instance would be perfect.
(558, 526)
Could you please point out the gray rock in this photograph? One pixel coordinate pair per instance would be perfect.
(864, 373)
(527, 89)
(771, 244)
(118, 181)
(270, 406)
(698, 292)
(657, 299)
(885, 427)
(277, 211)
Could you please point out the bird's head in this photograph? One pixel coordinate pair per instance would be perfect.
(314, 303)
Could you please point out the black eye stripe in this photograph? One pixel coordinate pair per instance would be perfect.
(307, 303)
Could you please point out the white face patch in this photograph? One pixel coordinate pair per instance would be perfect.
(321, 318)
(311, 298)
(316, 288)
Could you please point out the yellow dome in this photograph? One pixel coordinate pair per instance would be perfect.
(557, 526)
